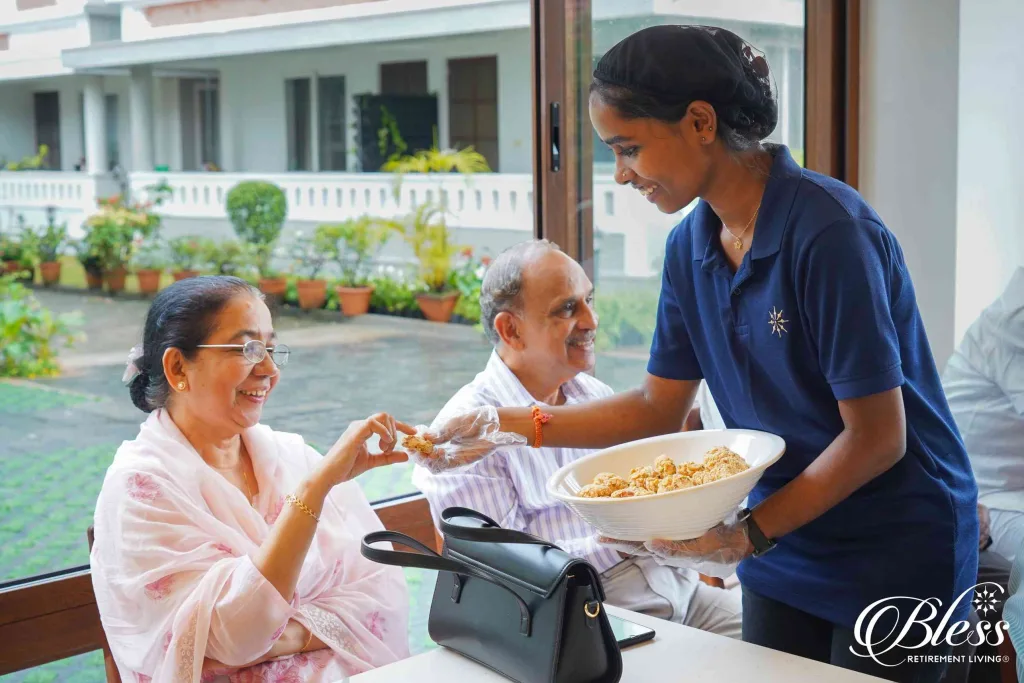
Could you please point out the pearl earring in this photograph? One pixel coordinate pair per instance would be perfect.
(703, 139)
(181, 386)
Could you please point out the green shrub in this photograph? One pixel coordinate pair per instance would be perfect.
(190, 252)
(257, 211)
(30, 333)
(626, 317)
(393, 296)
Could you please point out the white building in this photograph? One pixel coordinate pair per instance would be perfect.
(271, 88)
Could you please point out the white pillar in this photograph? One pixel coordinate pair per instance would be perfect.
(314, 122)
(437, 82)
(95, 127)
(140, 97)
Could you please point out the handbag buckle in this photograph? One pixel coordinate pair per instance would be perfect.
(456, 588)
(596, 608)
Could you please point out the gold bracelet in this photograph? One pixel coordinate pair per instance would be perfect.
(308, 641)
(302, 506)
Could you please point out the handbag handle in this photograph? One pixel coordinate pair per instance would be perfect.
(427, 558)
(492, 534)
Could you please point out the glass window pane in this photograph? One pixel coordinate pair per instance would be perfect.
(87, 668)
(257, 116)
(331, 114)
(629, 232)
(297, 127)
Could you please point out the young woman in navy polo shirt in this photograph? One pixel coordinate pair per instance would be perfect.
(784, 290)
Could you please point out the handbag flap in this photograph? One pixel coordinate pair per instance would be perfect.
(538, 568)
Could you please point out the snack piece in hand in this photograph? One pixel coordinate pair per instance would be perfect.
(412, 442)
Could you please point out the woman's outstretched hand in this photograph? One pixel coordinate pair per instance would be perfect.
(350, 456)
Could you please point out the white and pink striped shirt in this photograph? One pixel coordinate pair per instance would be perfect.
(510, 486)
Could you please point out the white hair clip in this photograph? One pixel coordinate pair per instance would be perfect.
(131, 370)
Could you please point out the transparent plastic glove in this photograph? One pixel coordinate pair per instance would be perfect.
(635, 548)
(716, 553)
(464, 438)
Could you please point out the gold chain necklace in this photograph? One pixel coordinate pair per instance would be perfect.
(245, 477)
(738, 239)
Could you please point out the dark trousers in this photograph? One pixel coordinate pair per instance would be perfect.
(780, 627)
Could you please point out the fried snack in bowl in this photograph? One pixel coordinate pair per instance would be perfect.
(714, 471)
(665, 476)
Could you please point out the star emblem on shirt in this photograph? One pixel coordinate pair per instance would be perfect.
(777, 322)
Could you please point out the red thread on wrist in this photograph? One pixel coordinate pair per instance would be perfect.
(539, 420)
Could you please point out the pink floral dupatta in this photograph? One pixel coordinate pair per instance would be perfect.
(174, 581)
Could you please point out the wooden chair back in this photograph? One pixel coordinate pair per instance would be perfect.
(108, 658)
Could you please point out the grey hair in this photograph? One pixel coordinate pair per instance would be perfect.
(502, 288)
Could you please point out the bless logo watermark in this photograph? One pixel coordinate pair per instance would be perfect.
(921, 628)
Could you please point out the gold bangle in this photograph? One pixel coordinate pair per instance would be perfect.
(302, 506)
(308, 641)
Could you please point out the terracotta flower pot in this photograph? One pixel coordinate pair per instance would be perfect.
(50, 272)
(275, 287)
(312, 293)
(115, 279)
(354, 300)
(11, 267)
(180, 275)
(149, 280)
(94, 279)
(437, 308)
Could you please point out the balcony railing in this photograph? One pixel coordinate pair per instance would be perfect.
(483, 202)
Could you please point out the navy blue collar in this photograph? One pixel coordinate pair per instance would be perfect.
(772, 219)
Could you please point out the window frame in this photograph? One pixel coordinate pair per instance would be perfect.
(53, 616)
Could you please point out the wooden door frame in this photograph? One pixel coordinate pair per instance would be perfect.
(832, 88)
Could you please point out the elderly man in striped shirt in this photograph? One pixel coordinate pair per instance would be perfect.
(537, 309)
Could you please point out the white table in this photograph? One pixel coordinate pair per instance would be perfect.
(676, 653)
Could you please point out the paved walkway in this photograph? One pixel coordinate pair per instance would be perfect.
(57, 436)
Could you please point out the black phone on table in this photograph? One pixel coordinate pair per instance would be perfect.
(628, 633)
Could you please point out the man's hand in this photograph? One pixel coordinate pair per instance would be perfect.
(984, 528)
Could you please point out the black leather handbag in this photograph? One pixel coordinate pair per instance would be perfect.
(512, 602)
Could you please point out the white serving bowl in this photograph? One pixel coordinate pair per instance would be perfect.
(677, 515)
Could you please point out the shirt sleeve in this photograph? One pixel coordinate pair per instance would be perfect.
(1008, 361)
(849, 274)
(672, 355)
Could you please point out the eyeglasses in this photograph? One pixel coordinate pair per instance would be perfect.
(255, 351)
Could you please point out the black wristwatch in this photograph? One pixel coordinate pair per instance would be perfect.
(761, 543)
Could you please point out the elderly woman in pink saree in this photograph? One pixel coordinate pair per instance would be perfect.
(226, 551)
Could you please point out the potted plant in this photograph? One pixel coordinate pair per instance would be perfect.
(310, 254)
(466, 161)
(113, 234)
(353, 245)
(426, 231)
(12, 253)
(230, 257)
(49, 242)
(148, 263)
(187, 252)
(257, 211)
(91, 263)
(30, 163)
